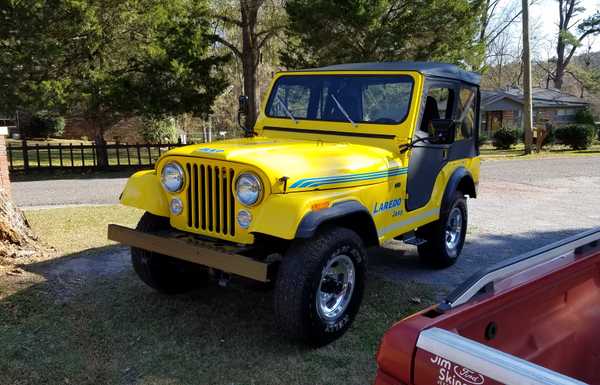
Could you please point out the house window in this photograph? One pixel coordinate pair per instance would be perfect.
(565, 112)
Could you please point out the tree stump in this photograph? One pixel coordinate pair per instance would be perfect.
(17, 240)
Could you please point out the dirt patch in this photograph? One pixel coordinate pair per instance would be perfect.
(67, 276)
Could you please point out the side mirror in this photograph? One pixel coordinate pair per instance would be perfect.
(243, 105)
(444, 131)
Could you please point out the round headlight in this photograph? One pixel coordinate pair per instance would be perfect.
(176, 206)
(172, 177)
(244, 218)
(248, 188)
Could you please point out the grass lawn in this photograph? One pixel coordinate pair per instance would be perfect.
(488, 152)
(75, 229)
(60, 327)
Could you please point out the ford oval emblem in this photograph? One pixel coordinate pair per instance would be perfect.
(468, 376)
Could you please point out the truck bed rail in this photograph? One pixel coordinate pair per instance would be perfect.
(485, 278)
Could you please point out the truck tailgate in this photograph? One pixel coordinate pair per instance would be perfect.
(530, 320)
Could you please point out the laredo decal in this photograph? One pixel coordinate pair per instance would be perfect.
(385, 206)
(452, 374)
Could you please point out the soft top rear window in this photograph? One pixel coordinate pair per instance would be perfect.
(342, 98)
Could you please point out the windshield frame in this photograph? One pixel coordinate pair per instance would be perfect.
(410, 80)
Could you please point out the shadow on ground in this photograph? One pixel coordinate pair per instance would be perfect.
(401, 262)
(92, 321)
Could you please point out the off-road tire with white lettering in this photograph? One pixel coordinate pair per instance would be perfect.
(298, 280)
(163, 273)
(434, 251)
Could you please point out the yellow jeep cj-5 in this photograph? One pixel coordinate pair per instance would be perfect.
(341, 158)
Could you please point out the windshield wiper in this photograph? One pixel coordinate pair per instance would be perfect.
(288, 113)
(342, 110)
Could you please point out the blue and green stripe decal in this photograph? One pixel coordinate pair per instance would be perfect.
(316, 182)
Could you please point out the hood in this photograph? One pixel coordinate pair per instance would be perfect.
(307, 165)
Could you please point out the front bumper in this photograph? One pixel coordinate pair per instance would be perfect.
(206, 253)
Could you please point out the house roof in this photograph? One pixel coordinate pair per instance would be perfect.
(542, 97)
(442, 70)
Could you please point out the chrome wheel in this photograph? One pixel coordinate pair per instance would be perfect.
(453, 234)
(336, 287)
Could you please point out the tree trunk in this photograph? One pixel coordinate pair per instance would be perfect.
(249, 69)
(526, 65)
(250, 55)
(16, 238)
(101, 151)
(559, 73)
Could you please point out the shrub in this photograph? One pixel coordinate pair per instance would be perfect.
(520, 133)
(550, 138)
(578, 137)
(160, 130)
(504, 138)
(45, 124)
(482, 139)
(584, 116)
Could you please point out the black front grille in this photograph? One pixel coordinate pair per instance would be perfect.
(211, 205)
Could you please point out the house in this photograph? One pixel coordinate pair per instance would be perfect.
(504, 108)
(9, 123)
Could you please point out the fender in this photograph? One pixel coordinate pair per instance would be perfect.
(311, 221)
(144, 191)
(460, 178)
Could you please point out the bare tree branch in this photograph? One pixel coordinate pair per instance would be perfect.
(228, 20)
(227, 44)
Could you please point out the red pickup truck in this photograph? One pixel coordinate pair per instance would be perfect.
(532, 319)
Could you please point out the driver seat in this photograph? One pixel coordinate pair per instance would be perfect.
(431, 112)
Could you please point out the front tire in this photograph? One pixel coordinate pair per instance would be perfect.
(163, 273)
(320, 286)
(445, 237)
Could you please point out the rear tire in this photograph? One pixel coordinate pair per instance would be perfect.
(320, 286)
(163, 273)
(445, 237)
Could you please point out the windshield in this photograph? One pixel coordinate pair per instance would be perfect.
(341, 98)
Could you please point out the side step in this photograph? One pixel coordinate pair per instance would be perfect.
(412, 239)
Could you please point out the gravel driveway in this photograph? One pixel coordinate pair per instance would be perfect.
(522, 205)
(60, 192)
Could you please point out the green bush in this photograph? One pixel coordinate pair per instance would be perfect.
(504, 138)
(584, 116)
(160, 130)
(46, 124)
(520, 133)
(550, 138)
(578, 137)
(482, 139)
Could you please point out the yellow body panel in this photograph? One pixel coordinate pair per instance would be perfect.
(299, 170)
(144, 191)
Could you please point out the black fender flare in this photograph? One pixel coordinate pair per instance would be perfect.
(461, 177)
(311, 221)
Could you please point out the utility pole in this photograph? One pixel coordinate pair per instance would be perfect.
(526, 63)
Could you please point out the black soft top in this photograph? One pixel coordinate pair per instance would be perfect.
(441, 70)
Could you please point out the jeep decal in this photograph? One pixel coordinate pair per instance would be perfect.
(387, 205)
(315, 182)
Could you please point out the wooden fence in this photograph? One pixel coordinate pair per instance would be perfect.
(27, 157)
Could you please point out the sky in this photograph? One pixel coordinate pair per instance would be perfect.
(544, 14)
